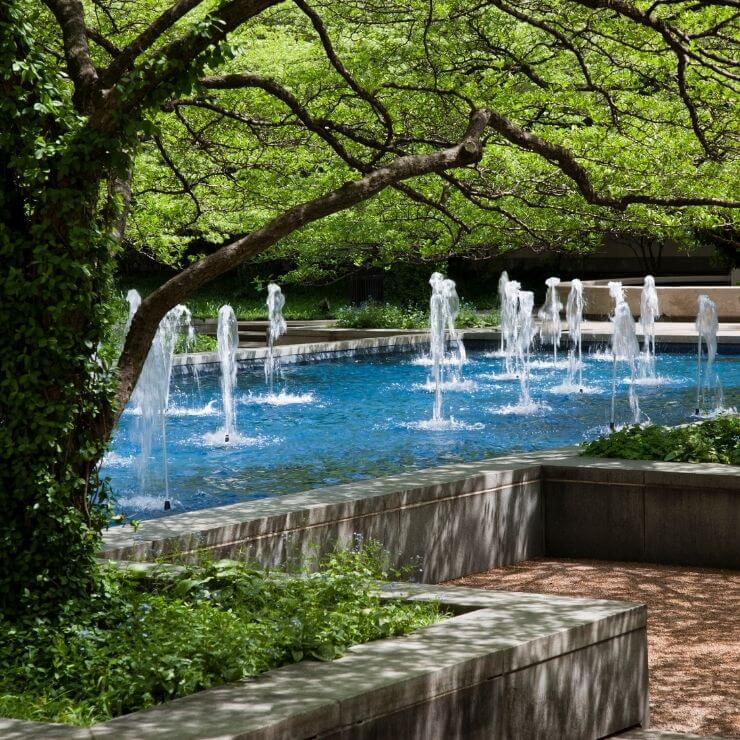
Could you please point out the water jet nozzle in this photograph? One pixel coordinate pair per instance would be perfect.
(612, 426)
(167, 505)
(226, 438)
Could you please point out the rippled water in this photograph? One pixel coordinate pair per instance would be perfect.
(337, 421)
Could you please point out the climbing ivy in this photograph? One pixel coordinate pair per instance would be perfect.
(53, 313)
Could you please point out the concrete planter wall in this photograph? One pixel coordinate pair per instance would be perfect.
(449, 522)
(513, 666)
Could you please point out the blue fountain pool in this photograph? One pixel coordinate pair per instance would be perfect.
(363, 417)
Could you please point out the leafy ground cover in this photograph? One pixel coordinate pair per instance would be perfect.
(715, 440)
(141, 642)
(390, 316)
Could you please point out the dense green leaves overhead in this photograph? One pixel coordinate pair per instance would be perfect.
(588, 79)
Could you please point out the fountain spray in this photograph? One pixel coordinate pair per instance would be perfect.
(707, 325)
(549, 314)
(502, 283)
(227, 336)
(444, 307)
(624, 347)
(574, 317)
(649, 312)
(152, 392)
(277, 327)
(509, 324)
(524, 335)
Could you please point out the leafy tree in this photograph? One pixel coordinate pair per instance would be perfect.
(253, 124)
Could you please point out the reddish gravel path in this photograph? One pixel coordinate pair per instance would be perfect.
(693, 630)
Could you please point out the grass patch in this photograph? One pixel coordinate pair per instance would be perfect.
(138, 642)
(714, 441)
(390, 316)
(199, 343)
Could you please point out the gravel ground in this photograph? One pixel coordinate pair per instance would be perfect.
(693, 630)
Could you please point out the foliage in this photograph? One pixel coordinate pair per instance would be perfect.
(142, 643)
(715, 440)
(373, 315)
(197, 343)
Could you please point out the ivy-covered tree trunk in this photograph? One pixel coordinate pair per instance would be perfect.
(56, 268)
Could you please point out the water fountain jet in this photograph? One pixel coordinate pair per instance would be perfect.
(707, 326)
(227, 337)
(574, 319)
(649, 312)
(626, 348)
(549, 314)
(276, 328)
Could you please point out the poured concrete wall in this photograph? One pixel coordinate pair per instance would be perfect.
(680, 514)
(448, 522)
(677, 303)
(442, 523)
(515, 665)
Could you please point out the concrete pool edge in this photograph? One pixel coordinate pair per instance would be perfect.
(451, 521)
(381, 342)
(581, 662)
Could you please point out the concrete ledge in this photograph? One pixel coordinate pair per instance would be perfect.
(451, 521)
(644, 511)
(518, 665)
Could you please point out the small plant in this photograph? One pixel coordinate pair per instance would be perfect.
(714, 440)
(373, 315)
(147, 638)
(199, 343)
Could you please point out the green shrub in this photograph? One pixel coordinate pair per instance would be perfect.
(715, 440)
(199, 343)
(142, 642)
(390, 316)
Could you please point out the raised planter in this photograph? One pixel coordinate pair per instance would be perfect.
(515, 665)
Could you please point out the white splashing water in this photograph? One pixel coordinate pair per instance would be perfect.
(616, 291)
(524, 336)
(227, 337)
(509, 325)
(152, 392)
(707, 382)
(574, 318)
(502, 283)
(549, 315)
(625, 348)
(277, 327)
(133, 298)
(649, 312)
(444, 307)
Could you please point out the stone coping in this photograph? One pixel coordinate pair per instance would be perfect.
(402, 494)
(677, 336)
(312, 507)
(499, 634)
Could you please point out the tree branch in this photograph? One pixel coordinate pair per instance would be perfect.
(70, 16)
(156, 305)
